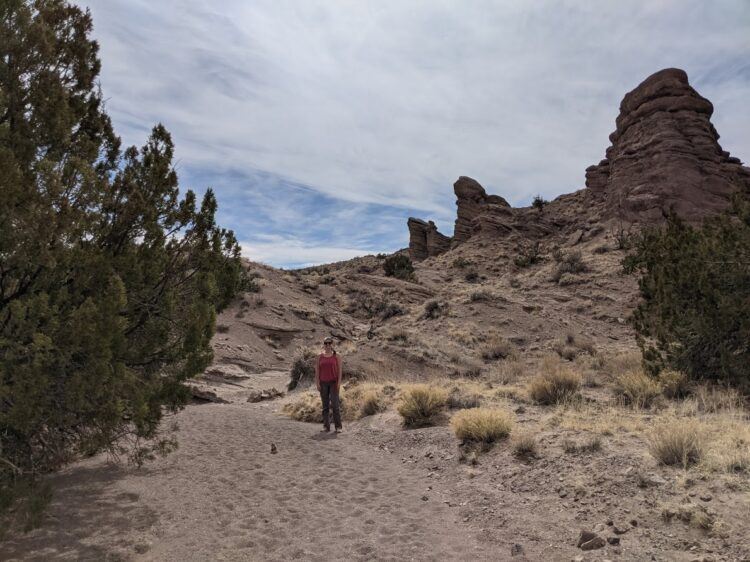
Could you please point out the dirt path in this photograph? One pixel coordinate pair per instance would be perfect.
(224, 496)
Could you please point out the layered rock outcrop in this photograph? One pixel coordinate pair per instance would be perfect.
(425, 240)
(665, 154)
(472, 201)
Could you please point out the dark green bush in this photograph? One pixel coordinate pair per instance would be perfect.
(695, 287)
(399, 266)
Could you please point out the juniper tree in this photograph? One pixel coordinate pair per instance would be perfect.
(695, 289)
(109, 278)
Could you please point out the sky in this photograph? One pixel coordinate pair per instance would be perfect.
(322, 125)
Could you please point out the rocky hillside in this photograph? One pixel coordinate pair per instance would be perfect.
(511, 281)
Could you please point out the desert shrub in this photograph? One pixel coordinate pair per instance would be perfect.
(589, 445)
(471, 276)
(461, 263)
(637, 389)
(372, 306)
(421, 403)
(694, 515)
(568, 263)
(528, 254)
(435, 309)
(539, 203)
(110, 277)
(524, 444)
(482, 425)
(365, 399)
(572, 345)
(713, 399)
(305, 408)
(303, 368)
(554, 385)
(460, 398)
(401, 336)
(678, 442)
(498, 348)
(222, 328)
(695, 289)
(480, 296)
(399, 266)
(674, 384)
(622, 236)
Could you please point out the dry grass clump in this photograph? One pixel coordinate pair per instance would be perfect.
(481, 296)
(524, 445)
(434, 309)
(464, 396)
(621, 363)
(695, 515)
(498, 348)
(713, 399)
(421, 403)
(303, 368)
(571, 262)
(305, 408)
(507, 372)
(678, 442)
(400, 336)
(554, 384)
(637, 389)
(482, 425)
(368, 399)
(674, 384)
(572, 345)
(589, 445)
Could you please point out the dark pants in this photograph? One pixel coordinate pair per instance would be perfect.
(330, 397)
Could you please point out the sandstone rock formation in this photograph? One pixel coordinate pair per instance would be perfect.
(425, 240)
(665, 154)
(472, 200)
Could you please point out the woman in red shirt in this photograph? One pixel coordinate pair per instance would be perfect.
(328, 381)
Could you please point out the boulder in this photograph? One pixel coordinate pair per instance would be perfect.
(665, 155)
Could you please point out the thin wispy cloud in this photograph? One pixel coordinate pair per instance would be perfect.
(316, 108)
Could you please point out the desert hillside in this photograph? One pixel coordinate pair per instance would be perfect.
(494, 403)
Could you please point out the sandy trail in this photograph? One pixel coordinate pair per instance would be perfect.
(224, 496)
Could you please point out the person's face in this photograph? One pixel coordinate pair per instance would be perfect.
(328, 345)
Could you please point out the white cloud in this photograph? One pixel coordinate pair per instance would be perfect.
(390, 101)
(292, 252)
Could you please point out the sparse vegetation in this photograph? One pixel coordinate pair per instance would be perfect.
(554, 385)
(674, 384)
(528, 254)
(482, 425)
(678, 442)
(399, 266)
(460, 263)
(539, 203)
(435, 309)
(498, 348)
(524, 445)
(303, 368)
(568, 263)
(471, 276)
(480, 296)
(637, 389)
(591, 444)
(461, 397)
(420, 404)
(572, 345)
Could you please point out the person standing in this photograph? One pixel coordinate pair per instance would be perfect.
(328, 380)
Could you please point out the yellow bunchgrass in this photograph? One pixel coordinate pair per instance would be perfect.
(678, 442)
(554, 385)
(482, 425)
(637, 389)
(420, 404)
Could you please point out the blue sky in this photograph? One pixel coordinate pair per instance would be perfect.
(323, 125)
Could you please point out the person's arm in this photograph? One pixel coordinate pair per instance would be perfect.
(340, 373)
(317, 372)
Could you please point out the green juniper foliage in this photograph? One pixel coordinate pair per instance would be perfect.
(695, 287)
(400, 266)
(109, 279)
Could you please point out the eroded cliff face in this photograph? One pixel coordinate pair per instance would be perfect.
(425, 240)
(665, 155)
